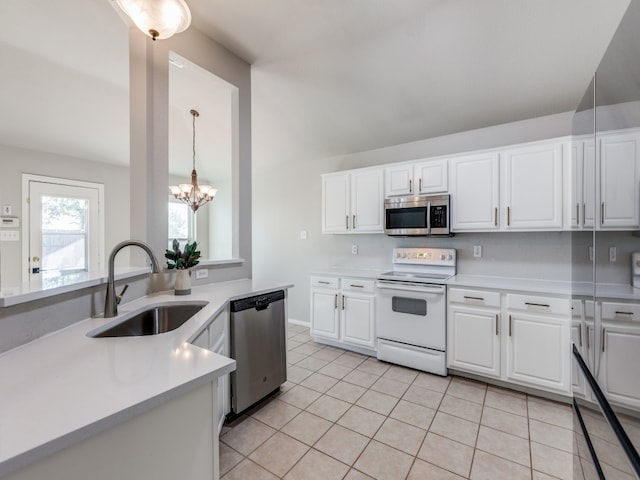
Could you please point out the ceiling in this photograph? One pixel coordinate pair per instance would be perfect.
(329, 77)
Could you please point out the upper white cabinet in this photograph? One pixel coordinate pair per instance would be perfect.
(619, 191)
(518, 188)
(352, 202)
(417, 178)
(475, 192)
(532, 187)
(582, 187)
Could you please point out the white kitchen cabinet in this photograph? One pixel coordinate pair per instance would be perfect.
(620, 349)
(352, 202)
(619, 177)
(538, 345)
(345, 315)
(473, 326)
(516, 338)
(325, 315)
(582, 175)
(475, 192)
(578, 339)
(531, 179)
(417, 178)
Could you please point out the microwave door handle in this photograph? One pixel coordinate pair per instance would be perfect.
(429, 217)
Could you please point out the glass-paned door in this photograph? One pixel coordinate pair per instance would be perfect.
(65, 229)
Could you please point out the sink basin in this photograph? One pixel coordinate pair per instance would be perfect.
(151, 321)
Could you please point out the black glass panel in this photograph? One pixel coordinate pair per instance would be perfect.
(415, 217)
(411, 306)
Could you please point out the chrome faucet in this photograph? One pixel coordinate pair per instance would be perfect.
(112, 300)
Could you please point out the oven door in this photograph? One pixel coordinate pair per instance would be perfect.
(412, 313)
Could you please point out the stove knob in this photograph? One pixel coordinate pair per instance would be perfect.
(450, 257)
(442, 257)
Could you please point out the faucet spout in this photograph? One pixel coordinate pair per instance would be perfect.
(111, 300)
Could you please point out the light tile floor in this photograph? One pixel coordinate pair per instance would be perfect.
(342, 415)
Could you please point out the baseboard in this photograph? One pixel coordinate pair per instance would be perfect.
(299, 322)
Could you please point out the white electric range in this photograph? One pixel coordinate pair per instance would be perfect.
(411, 308)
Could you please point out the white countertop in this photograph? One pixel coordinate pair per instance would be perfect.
(510, 283)
(350, 272)
(65, 387)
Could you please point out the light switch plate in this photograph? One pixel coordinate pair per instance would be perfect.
(477, 251)
(202, 273)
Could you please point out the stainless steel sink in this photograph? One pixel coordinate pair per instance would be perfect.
(151, 321)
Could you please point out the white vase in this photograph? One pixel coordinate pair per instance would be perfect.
(183, 282)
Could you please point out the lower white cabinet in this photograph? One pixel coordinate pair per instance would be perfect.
(620, 348)
(473, 331)
(342, 310)
(516, 338)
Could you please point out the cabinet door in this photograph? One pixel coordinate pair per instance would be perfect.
(532, 186)
(398, 180)
(335, 203)
(475, 192)
(223, 393)
(538, 351)
(367, 202)
(432, 176)
(574, 202)
(620, 353)
(473, 340)
(577, 379)
(324, 313)
(619, 182)
(357, 320)
(588, 184)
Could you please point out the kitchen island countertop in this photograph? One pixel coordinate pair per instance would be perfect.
(66, 386)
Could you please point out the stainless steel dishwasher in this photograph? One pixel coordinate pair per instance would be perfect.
(258, 345)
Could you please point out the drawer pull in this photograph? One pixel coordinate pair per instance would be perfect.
(623, 313)
(602, 213)
(508, 216)
(495, 217)
(577, 214)
(530, 304)
(497, 317)
(356, 286)
(323, 282)
(588, 338)
(580, 334)
(347, 221)
(343, 302)
(353, 224)
(603, 337)
(509, 325)
(480, 299)
(335, 303)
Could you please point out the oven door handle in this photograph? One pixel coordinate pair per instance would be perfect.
(411, 287)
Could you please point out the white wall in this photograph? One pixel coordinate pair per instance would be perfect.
(287, 199)
(16, 161)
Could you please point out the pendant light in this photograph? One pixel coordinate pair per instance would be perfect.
(193, 194)
(158, 18)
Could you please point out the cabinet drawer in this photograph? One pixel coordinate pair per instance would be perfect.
(535, 304)
(620, 311)
(474, 297)
(325, 282)
(357, 285)
(577, 308)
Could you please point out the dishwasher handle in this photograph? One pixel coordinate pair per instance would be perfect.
(258, 302)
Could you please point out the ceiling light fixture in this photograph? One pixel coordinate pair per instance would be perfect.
(193, 194)
(158, 18)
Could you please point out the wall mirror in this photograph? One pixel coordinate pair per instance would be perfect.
(216, 147)
(64, 97)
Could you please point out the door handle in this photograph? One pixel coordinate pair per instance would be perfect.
(342, 302)
(480, 299)
(497, 317)
(410, 186)
(347, 221)
(580, 334)
(495, 217)
(509, 325)
(508, 216)
(602, 213)
(577, 214)
(353, 223)
(419, 185)
(335, 302)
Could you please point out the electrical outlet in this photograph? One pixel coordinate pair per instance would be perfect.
(612, 254)
(477, 251)
(354, 249)
(202, 273)
(303, 234)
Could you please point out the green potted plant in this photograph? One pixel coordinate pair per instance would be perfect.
(182, 261)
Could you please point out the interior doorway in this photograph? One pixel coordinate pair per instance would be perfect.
(63, 229)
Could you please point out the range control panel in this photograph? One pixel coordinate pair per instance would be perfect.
(424, 256)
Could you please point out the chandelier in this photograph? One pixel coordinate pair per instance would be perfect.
(158, 18)
(193, 194)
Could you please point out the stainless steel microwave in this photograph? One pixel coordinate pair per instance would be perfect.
(421, 215)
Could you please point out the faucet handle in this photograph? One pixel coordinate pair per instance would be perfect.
(119, 297)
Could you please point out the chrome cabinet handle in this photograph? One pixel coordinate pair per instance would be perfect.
(588, 338)
(580, 334)
(530, 304)
(356, 286)
(420, 184)
(353, 223)
(335, 303)
(624, 313)
(508, 216)
(410, 186)
(343, 302)
(324, 282)
(584, 213)
(495, 217)
(603, 330)
(577, 214)
(497, 317)
(480, 299)
(347, 221)
(510, 325)
(602, 213)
